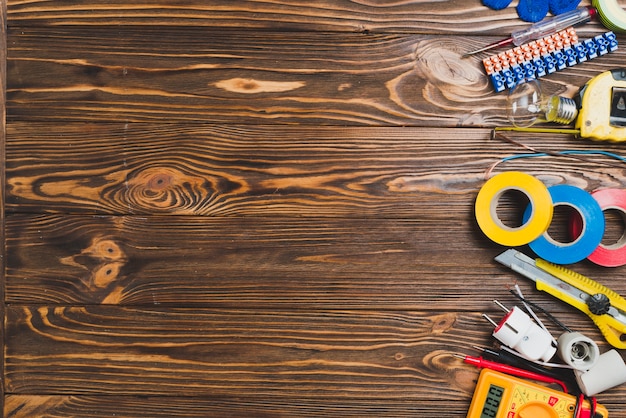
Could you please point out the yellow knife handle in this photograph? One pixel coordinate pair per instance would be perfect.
(613, 330)
(581, 282)
(613, 333)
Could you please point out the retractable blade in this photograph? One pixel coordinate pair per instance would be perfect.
(605, 307)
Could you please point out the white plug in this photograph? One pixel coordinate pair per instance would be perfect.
(518, 331)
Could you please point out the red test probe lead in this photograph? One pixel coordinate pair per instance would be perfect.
(514, 371)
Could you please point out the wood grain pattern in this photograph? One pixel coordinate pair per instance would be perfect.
(239, 262)
(228, 407)
(238, 171)
(457, 16)
(186, 352)
(263, 171)
(3, 81)
(259, 208)
(189, 74)
(371, 356)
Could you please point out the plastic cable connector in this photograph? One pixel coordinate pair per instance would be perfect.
(522, 62)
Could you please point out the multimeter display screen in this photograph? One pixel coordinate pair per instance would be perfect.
(492, 402)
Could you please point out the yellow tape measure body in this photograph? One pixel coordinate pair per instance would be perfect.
(498, 395)
(603, 107)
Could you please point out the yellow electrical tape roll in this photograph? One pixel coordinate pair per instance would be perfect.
(487, 204)
(612, 16)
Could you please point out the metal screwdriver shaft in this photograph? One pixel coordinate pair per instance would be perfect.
(498, 44)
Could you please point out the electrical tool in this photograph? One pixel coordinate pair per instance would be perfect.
(545, 27)
(498, 395)
(564, 375)
(606, 308)
(599, 110)
(512, 370)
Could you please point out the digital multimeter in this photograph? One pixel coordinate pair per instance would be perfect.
(499, 395)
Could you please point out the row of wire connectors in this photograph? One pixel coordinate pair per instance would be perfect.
(545, 56)
(521, 54)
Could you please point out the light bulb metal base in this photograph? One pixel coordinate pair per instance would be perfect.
(561, 110)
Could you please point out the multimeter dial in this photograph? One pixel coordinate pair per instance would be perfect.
(537, 410)
(543, 404)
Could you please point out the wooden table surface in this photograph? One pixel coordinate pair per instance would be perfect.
(254, 208)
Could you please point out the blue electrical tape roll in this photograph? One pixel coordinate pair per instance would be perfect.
(592, 227)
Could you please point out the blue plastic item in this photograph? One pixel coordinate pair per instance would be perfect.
(534, 10)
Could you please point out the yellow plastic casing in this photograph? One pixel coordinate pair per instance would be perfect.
(612, 328)
(596, 103)
(498, 395)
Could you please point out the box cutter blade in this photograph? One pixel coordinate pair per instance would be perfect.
(605, 307)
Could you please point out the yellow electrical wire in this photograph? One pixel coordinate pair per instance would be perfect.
(612, 16)
(538, 130)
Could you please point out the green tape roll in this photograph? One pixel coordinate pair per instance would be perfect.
(612, 16)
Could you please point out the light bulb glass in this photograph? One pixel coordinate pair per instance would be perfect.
(526, 106)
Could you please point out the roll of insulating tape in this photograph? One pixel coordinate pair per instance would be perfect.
(591, 233)
(612, 16)
(612, 255)
(540, 208)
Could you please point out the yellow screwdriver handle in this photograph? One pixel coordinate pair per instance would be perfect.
(613, 330)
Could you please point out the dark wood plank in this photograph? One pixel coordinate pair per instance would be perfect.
(316, 358)
(194, 352)
(189, 74)
(24, 406)
(459, 16)
(242, 262)
(269, 171)
(242, 171)
(308, 263)
(3, 81)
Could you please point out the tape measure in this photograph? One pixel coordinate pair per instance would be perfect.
(602, 112)
(498, 395)
(612, 16)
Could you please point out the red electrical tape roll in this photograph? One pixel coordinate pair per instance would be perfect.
(613, 255)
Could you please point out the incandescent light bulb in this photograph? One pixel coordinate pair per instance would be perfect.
(526, 105)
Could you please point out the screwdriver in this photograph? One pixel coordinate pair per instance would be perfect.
(544, 28)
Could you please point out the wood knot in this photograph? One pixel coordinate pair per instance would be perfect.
(105, 249)
(166, 188)
(441, 62)
(104, 258)
(159, 181)
(106, 273)
(442, 323)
